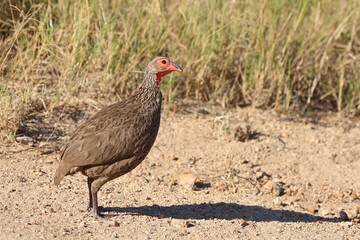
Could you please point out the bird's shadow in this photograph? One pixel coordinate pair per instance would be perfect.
(226, 211)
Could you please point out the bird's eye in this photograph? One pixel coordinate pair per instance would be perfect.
(163, 62)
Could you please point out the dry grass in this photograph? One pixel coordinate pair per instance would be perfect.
(282, 54)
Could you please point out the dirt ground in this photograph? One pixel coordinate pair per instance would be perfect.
(212, 174)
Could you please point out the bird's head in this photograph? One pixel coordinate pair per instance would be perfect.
(162, 66)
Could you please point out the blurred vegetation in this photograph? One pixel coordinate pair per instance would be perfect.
(288, 55)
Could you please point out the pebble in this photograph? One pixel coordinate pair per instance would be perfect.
(125, 205)
(294, 198)
(113, 223)
(68, 214)
(277, 189)
(31, 222)
(83, 224)
(268, 185)
(243, 223)
(354, 194)
(188, 224)
(25, 140)
(324, 211)
(259, 174)
(182, 224)
(187, 179)
(173, 157)
(222, 187)
(276, 175)
(278, 201)
(346, 224)
(176, 222)
(311, 209)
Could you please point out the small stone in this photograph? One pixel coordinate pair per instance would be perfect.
(346, 224)
(83, 224)
(188, 224)
(65, 231)
(276, 176)
(259, 174)
(25, 140)
(112, 224)
(173, 157)
(278, 201)
(343, 216)
(187, 179)
(277, 189)
(268, 185)
(243, 223)
(31, 222)
(10, 189)
(222, 187)
(235, 180)
(173, 182)
(356, 220)
(340, 195)
(294, 198)
(311, 209)
(324, 211)
(354, 194)
(176, 223)
(125, 205)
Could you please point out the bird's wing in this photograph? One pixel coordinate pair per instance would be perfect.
(104, 138)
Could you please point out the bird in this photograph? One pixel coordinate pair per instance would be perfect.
(117, 138)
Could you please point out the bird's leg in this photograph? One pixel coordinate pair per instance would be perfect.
(89, 181)
(95, 208)
(93, 202)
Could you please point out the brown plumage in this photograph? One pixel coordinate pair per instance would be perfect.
(117, 138)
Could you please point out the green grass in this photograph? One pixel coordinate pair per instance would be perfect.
(276, 53)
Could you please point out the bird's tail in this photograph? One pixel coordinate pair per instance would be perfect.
(63, 170)
(60, 173)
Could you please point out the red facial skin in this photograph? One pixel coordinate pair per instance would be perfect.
(169, 66)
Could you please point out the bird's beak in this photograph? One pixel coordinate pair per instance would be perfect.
(175, 67)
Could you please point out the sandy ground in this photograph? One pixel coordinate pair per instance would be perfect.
(251, 174)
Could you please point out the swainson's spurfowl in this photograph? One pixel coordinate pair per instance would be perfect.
(117, 138)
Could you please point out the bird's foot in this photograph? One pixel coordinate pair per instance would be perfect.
(97, 214)
(100, 216)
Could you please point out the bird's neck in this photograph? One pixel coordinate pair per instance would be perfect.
(151, 81)
(149, 92)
